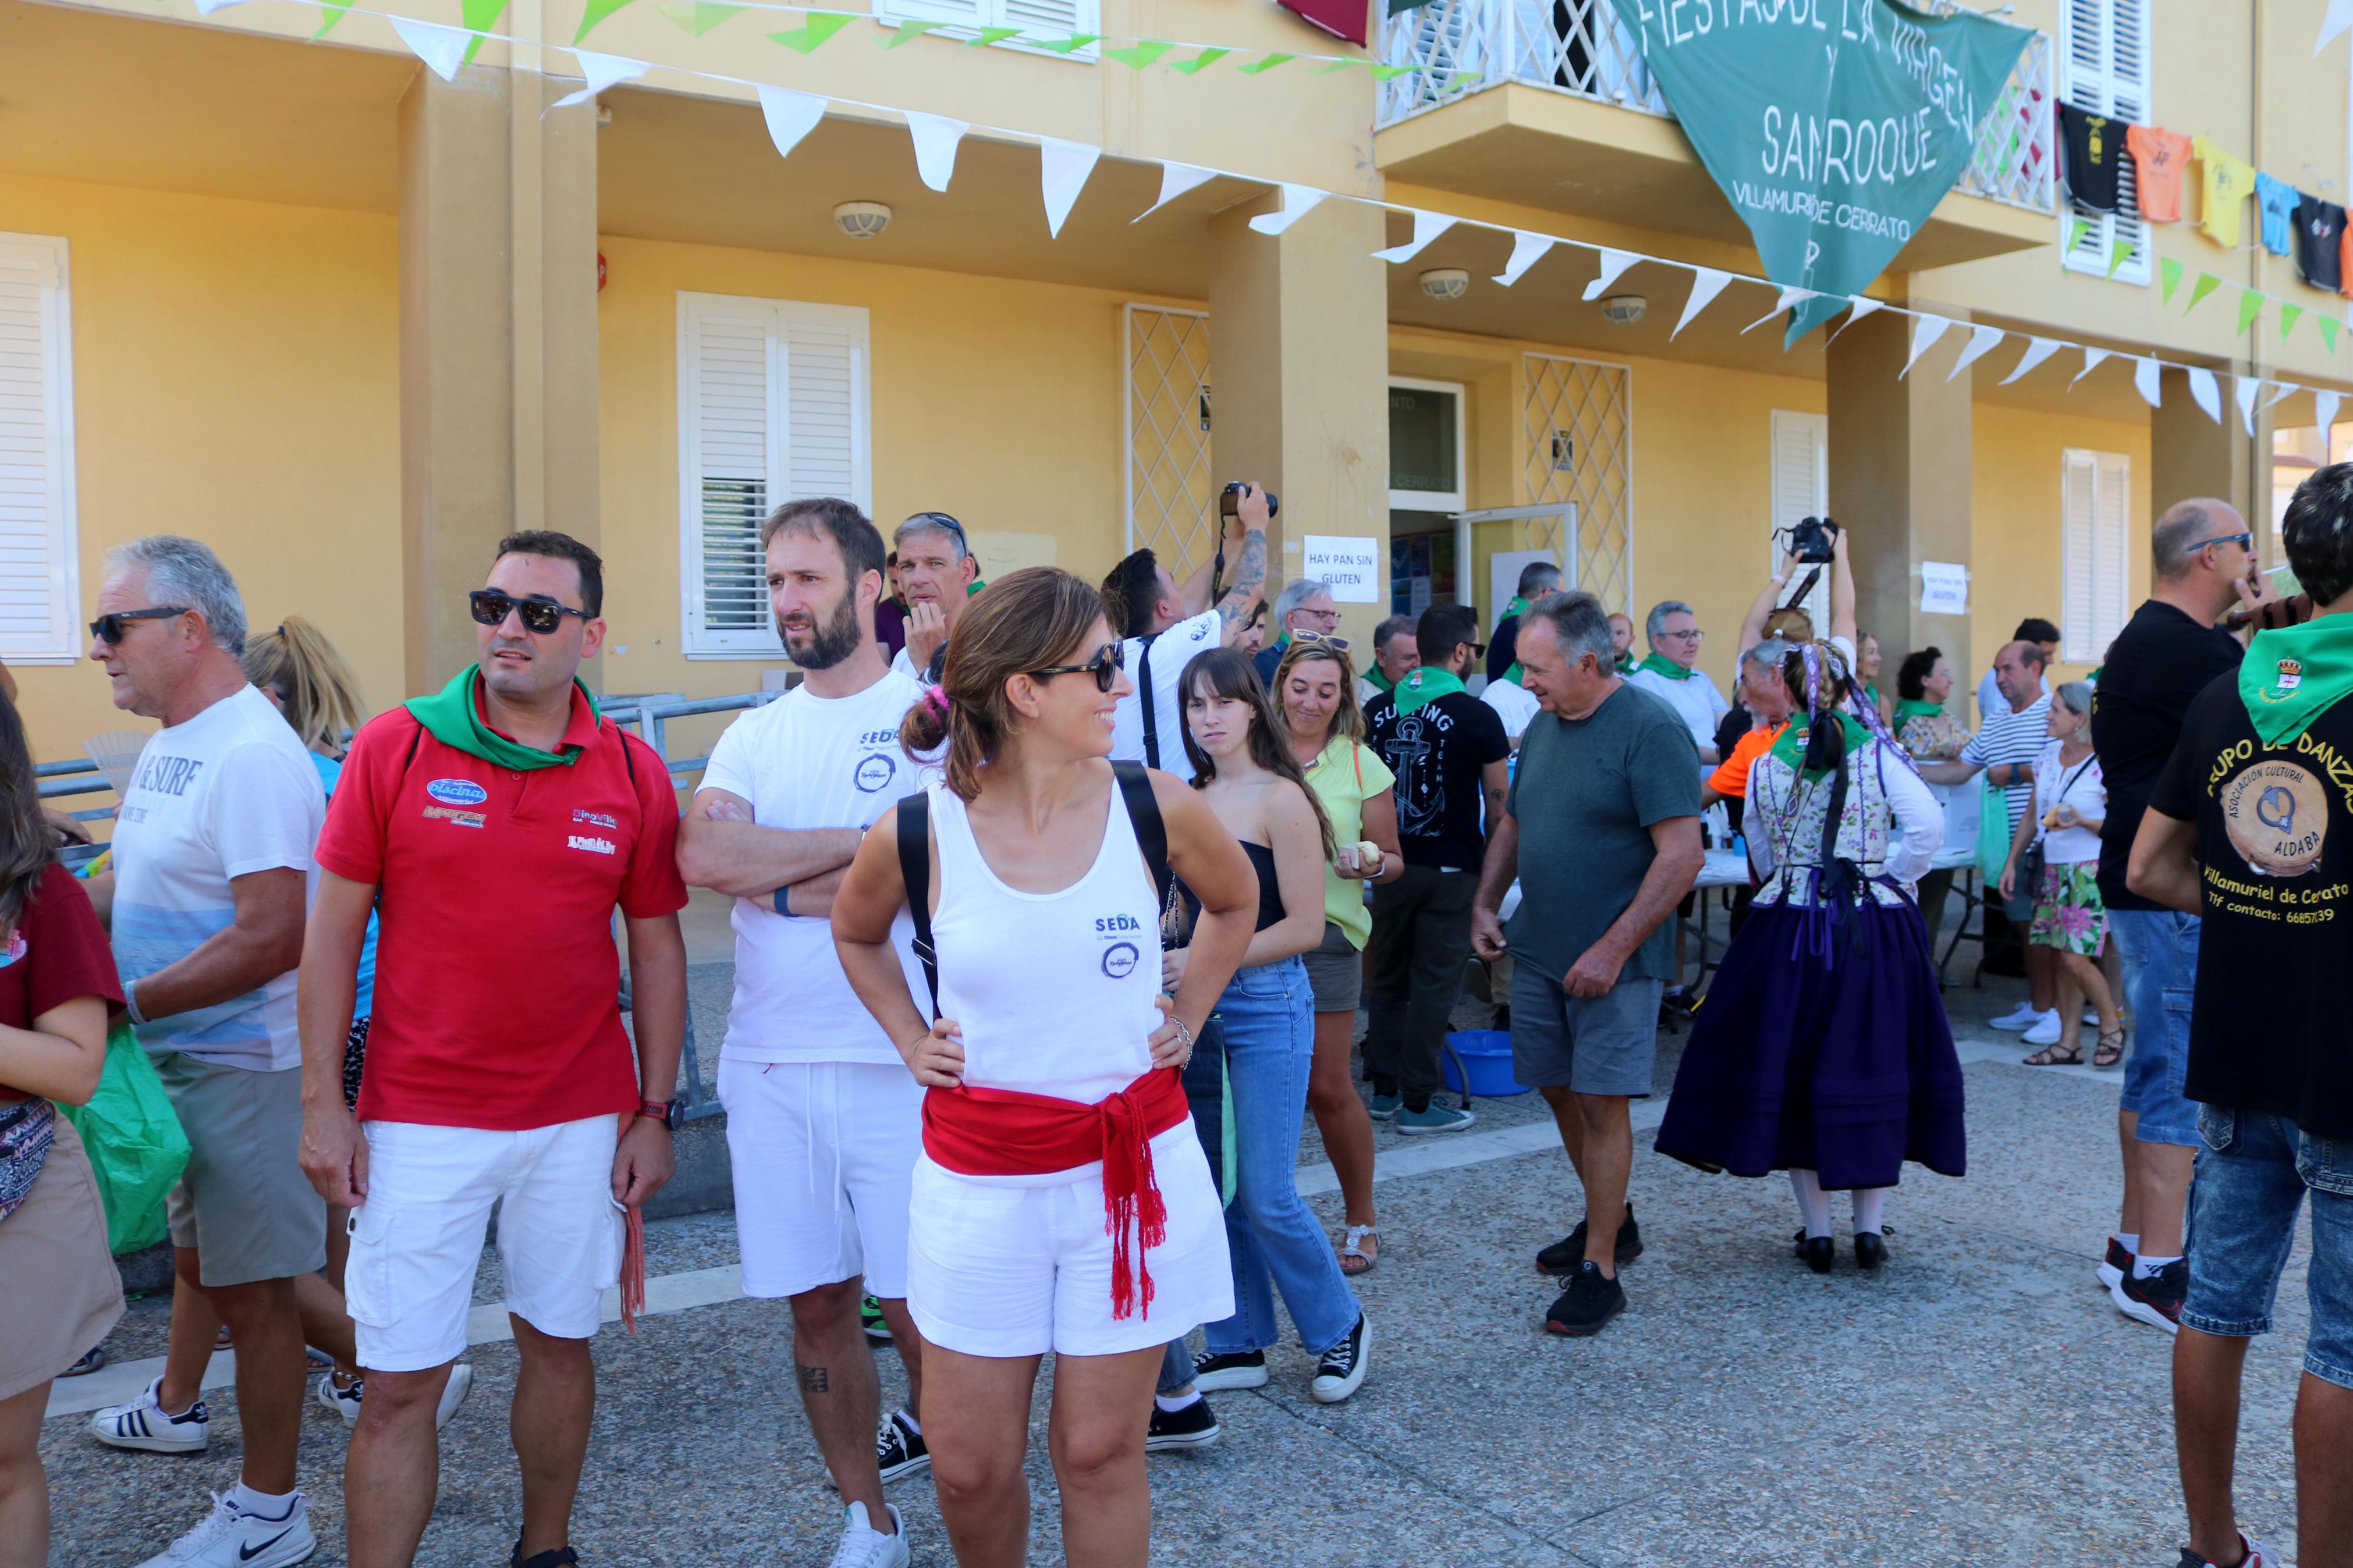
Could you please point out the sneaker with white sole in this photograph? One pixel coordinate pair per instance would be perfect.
(899, 1448)
(2115, 1266)
(1193, 1426)
(232, 1538)
(2025, 1015)
(143, 1424)
(1238, 1368)
(863, 1546)
(344, 1400)
(2153, 1299)
(1432, 1118)
(2045, 1031)
(1340, 1370)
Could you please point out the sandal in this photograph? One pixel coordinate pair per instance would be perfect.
(2049, 1057)
(1354, 1259)
(2106, 1054)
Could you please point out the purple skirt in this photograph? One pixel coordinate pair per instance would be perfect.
(1813, 1053)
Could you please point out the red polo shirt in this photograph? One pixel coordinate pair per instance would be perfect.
(497, 980)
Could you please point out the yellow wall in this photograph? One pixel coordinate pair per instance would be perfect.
(236, 372)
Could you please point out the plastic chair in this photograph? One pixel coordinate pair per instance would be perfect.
(116, 752)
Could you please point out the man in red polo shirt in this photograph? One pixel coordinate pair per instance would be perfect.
(503, 821)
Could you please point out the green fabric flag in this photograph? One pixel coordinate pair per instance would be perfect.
(2077, 230)
(597, 11)
(1659, 664)
(698, 17)
(1071, 45)
(2117, 254)
(2169, 278)
(455, 718)
(2251, 305)
(905, 31)
(821, 25)
(335, 14)
(987, 35)
(1267, 64)
(1915, 708)
(2207, 283)
(1791, 747)
(480, 17)
(1425, 686)
(1334, 65)
(2293, 675)
(1833, 136)
(1391, 73)
(1207, 56)
(2288, 317)
(2327, 325)
(1137, 56)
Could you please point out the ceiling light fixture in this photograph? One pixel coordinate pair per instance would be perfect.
(1624, 308)
(1446, 283)
(861, 220)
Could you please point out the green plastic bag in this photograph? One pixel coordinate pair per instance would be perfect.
(1993, 834)
(137, 1150)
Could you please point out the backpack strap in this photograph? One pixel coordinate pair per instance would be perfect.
(914, 832)
(1151, 700)
(1144, 815)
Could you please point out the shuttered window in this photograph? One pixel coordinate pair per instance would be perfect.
(1801, 488)
(1046, 20)
(2105, 45)
(772, 407)
(40, 581)
(2096, 568)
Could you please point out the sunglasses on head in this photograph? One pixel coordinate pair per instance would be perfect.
(108, 629)
(1325, 638)
(946, 524)
(540, 614)
(1108, 661)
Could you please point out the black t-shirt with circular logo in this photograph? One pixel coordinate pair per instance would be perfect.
(2275, 858)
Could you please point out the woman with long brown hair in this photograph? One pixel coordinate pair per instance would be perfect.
(1062, 1201)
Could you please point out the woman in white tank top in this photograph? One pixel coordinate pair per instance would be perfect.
(1062, 1201)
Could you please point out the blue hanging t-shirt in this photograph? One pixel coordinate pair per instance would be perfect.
(2278, 204)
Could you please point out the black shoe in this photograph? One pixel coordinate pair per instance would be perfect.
(1195, 1427)
(1870, 1249)
(899, 1448)
(1563, 1255)
(1819, 1251)
(1244, 1369)
(560, 1557)
(1591, 1300)
(1340, 1370)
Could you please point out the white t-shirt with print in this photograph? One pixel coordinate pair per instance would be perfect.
(1513, 703)
(806, 762)
(1172, 650)
(228, 793)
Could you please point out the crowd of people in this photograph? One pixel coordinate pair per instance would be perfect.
(1056, 904)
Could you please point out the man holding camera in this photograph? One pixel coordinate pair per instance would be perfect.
(1166, 626)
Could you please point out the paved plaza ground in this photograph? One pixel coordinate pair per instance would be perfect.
(1978, 1402)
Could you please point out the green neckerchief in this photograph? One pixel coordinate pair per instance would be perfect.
(2293, 675)
(456, 720)
(1659, 664)
(1915, 708)
(1518, 606)
(1870, 689)
(1379, 682)
(1425, 686)
(1791, 747)
(1626, 665)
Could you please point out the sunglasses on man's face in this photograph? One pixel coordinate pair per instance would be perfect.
(110, 628)
(1104, 667)
(540, 614)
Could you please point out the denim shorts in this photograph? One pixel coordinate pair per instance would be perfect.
(2254, 1171)
(2160, 948)
(1335, 972)
(1594, 1045)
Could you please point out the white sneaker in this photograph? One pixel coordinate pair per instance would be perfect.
(453, 1394)
(232, 1538)
(1341, 1370)
(346, 1402)
(2091, 1016)
(2045, 1031)
(2022, 1017)
(142, 1422)
(863, 1546)
(343, 1402)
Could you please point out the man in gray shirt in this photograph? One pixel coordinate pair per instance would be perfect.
(1606, 805)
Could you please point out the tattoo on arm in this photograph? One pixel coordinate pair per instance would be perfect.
(1249, 580)
(813, 1379)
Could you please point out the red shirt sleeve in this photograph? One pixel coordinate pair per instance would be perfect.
(66, 950)
(352, 843)
(651, 885)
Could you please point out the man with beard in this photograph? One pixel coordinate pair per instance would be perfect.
(936, 572)
(823, 1121)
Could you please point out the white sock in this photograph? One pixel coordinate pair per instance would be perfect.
(1813, 1208)
(2147, 1267)
(908, 1420)
(265, 1505)
(1869, 1204)
(2127, 1239)
(1184, 1401)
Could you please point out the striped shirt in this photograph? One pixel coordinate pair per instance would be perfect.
(2007, 737)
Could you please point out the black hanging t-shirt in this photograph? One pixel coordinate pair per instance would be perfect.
(2274, 852)
(1437, 752)
(2095, 153)
(2156, 668)
(2319, 227)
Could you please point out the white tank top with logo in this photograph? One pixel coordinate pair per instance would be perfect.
(1055, 992)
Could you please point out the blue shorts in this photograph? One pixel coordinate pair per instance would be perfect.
(2160, 948)
(2254, 1171)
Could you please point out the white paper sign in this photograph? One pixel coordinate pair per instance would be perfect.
(1944, 588)
(1350, 562)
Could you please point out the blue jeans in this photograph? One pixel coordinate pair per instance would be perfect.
(2160, 948)
(2254, 1171)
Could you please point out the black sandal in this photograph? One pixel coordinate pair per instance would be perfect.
(2049, 1057)
(2105, 1054)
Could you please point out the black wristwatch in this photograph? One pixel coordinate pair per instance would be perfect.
(671, 1113)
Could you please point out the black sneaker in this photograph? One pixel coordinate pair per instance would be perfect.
(2116, 1267)
(1245, 1369)
(1590, 1301)
(1340, 1370)
(1195, 1427)
(899, 1448)
(2156, 1299)
(870, 1319)
(1563, 1255)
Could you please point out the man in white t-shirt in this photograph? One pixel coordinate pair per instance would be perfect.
(1513, 703)
(936, 572)
(1672, 674)
(824, 1121)
(213, 846)
(1165, 626)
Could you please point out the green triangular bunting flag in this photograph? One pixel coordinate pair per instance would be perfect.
(2077, 231)
(480, 17)
(2207, 283)
(2251, 305)
(1137, 56)
(907, 30)
(1267, 64)
(821, 25)
(1207, 56)
(2327, 325)
(992, 35)
(2118, 254)
(1389, 73)
(597, 12)
(2288, 314)
(1071, 45)
(698, 17)
(1334, 65)
(335, 14)
(2168, 277)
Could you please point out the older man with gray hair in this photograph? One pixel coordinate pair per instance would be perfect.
(1304, 605)
(1671, 673)
(936, 572)
(1538, 578)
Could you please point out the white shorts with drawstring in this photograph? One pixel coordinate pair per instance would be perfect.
(825, 1167)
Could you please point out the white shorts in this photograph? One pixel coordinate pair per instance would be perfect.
(999, 1271)
(417, 1241)
(825, 1162)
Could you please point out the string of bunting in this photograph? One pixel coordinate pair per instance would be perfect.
(1065, 167)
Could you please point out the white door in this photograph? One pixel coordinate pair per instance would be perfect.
(1801, 488)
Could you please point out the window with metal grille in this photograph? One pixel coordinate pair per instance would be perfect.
(1042, 21)
(2105, 51)
(1172, 491)
(2095, 568)
(772, 407)
(40, 582)
(1577, 446)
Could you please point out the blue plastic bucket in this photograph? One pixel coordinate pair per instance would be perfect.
(1487, 1057)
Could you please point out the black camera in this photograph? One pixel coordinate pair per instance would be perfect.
(1229, 503)
(1811, 541)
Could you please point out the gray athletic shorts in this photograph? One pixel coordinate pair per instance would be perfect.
(1594, 1045)
(244, 1203)
(1335, 972)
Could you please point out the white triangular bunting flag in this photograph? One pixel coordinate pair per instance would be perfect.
(2204, 392)
(2145, 382)
(2037, 351)
(1427, 227)
(935, 146)
(1298, 201)
(1613, 267)
(1857, 308)
(2092, 358)
(2323, 409)
(1981, 340)
(1062, 168)
(1789, 297)
(1706, 284)
(1175, 179)
(602, 71)
(2280, 392)
(2248, 387)
(207, 7)
(1527, 249)
(790, 116)
(442, 48)
(1925, 331)
(2339, 17)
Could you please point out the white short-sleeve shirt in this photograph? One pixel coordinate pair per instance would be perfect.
(1514, 704)
(1695, 698)
(1172, 650)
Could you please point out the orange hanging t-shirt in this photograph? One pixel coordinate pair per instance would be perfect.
(2158, 159)
(2345, 262)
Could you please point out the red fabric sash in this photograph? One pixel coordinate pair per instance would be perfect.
(1004, 1132)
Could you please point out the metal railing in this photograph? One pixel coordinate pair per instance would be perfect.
(1455, 47)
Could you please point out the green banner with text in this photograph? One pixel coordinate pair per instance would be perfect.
(1834, 127)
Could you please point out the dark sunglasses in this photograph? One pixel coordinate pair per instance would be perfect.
(1108, 661)
(2246, 538)
(108, 629)
(540, 614)
(943, 522)
(1324, 639)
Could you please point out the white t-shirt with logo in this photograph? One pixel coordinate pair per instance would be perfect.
(1513, 703)
(1172, 650)
(808, 762)
(228, 793)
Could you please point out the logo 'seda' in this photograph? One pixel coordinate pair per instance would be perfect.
(457, 792)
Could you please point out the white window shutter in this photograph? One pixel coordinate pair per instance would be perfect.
(2107, 72)
(2111, 571)
(2078, 552)
(1037, 19)
(39, 574)
(1801, 447)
